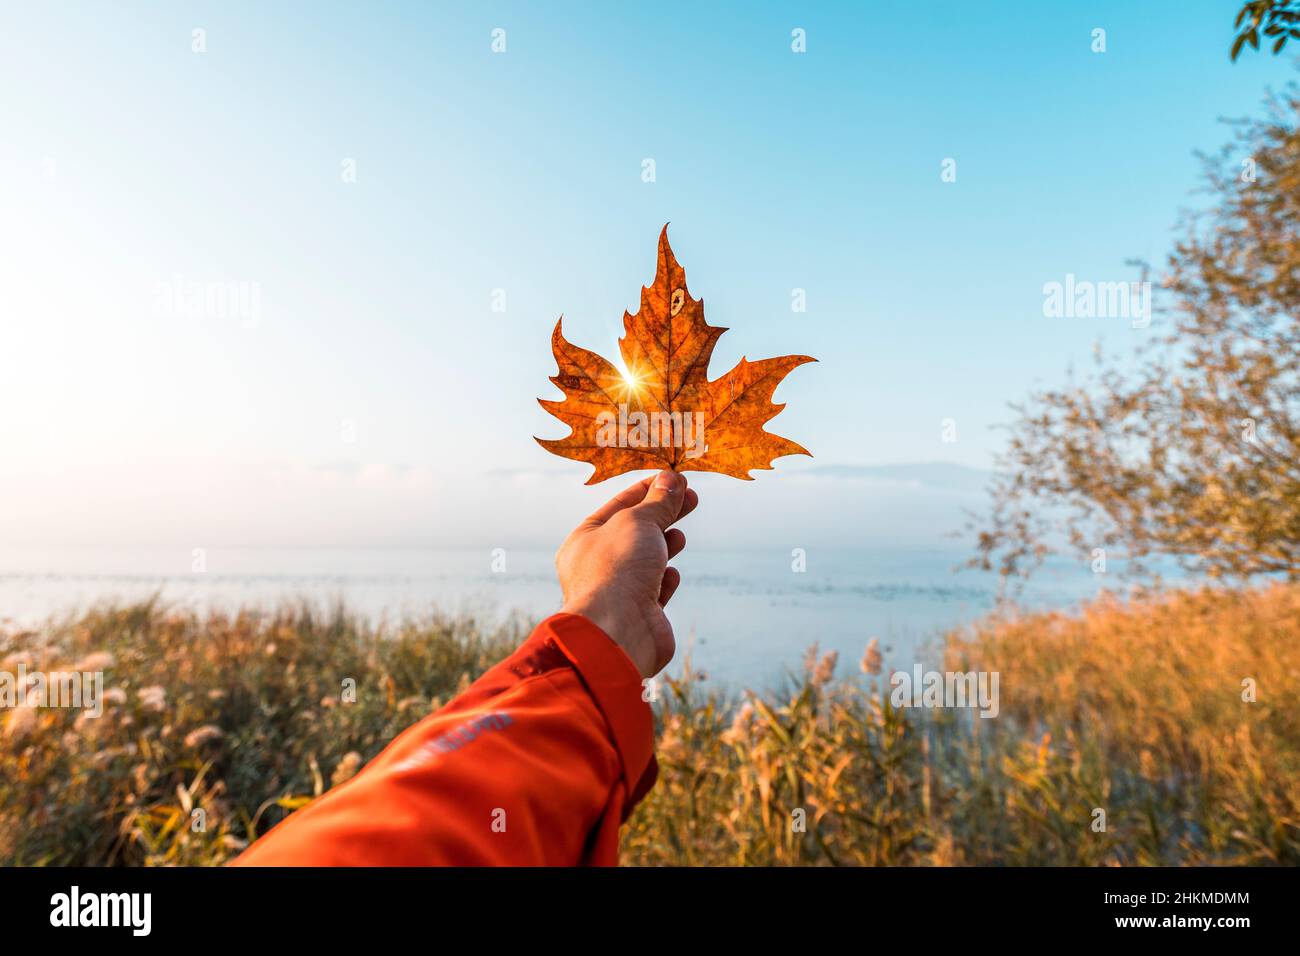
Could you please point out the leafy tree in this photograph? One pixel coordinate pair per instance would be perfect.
(1280, 20)
(1191, 448)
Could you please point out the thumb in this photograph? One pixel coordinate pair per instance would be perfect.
(663, 502)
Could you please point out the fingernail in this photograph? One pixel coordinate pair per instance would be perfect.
(666, 481)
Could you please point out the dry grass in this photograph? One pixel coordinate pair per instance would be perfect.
(1136, 709)
(241, 717)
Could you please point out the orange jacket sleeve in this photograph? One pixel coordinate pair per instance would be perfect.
(537, 763)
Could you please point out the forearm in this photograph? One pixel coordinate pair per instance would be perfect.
(546, 750)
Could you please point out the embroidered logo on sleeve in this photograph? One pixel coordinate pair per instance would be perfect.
(457, 737)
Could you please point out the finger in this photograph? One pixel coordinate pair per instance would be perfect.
(676, 541)
(629, 496)
(672, 578)
(663, 501)
(692, 499)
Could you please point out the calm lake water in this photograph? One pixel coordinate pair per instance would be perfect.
(746, 616)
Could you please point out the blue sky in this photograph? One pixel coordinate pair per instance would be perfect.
(378, 399)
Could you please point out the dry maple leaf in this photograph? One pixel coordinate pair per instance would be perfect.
(665, 413)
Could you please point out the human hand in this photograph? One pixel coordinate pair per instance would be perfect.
(614, 567)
